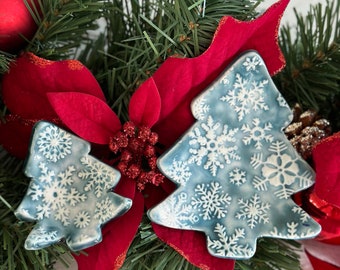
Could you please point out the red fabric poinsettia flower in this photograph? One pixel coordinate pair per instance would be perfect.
(159, 111)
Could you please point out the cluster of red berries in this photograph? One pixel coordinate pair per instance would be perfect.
(138, 159)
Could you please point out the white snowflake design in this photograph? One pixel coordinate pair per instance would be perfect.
(224, 80)
(55, 194)
(179, 172)
(237, 177)
(291, 231)
(247, 95)
(99, 177)
(253, 211)
(201, 109)
(178, 212)
(212, 145)
(251, 63)
(257, 133)
(211, 201)
(105, 210)
(229, 245)
(40, 235)
(304, 217)
(82, 219)
(54, 143)
(279, 169)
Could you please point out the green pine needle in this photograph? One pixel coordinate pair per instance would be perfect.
(5, 61)
(312, 76)
(64, 26)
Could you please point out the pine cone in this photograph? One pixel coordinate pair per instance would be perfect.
(306, 129)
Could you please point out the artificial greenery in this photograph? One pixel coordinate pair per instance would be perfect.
(312, 51)
(136, 38)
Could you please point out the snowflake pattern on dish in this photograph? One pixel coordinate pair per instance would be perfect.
(54, 143)
(201, 109)
(246, 96)
(237, 176)
(180, 172)
(253, 211)
(96, 175)
(178, 212)
(229, 245)
(68, 195)
(211, 201)
(243, 169)
(212, 145)
(256, 133)
(251, 63)
(82, 219)
(42, 236)
(280, 170)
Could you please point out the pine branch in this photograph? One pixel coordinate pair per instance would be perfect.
(138, 38)
(5, 60)
(63, 26)
(311, 76)
(272, 254)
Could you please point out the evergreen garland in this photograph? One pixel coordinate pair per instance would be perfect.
(138, 36)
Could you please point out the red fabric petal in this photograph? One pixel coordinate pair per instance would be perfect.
(25, 86)
(15, 137)
(86, 115)
(327, 215)
(117, 235)
(326, 156)
(191, 245)
(321, 265)
(180, 80)
(145, 104)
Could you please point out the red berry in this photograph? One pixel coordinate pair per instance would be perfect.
(144, 133)
(129, 129)
(133, 171)
(153, 138)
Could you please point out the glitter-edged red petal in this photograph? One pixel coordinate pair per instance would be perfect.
(30, 77)
(86, 115)
(145, 104)
(179, 80)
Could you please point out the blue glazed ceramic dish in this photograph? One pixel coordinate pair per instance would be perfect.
(235, 169)
(69, 195)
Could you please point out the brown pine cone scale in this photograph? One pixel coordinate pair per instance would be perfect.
(306, 130)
